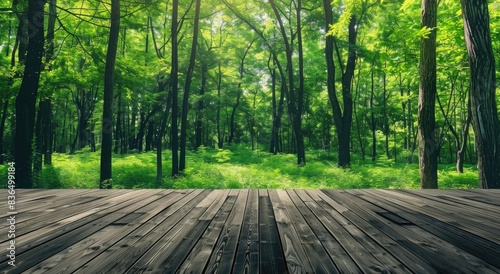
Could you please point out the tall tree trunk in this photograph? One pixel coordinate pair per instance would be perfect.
(37, 159)
(107, 116)
(343, 121)
(26, 99)
(301, 152)
(48, 135)
(118, 127)
(295, 112)
(187, 87)
(273, 148)
(427, 145)
(384, 114)
(485, 120)
(372, 114)
(220, 134)
(174, 89)
(201, 106)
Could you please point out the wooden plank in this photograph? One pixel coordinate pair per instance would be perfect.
(469, 242)
(121, 255)
(180, 238)
(94, 245)
(359, 208)
(185, 246)
(482, 212)
(371, 251)
(272, 258)
(222, 258)
(247, 253)
(307, 225)
(203, 231)
(423, 243)
(455, 198)
(456, 216)
(46, 206)
(295, 255)
(53, 219)
(198, 258)
(197, 253)
(49, 245)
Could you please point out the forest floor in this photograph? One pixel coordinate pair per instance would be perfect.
(240, 167)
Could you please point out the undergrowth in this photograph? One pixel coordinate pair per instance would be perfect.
(241, 167)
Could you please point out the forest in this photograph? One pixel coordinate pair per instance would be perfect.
(345, 90)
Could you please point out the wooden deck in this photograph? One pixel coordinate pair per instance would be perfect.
(254, 231)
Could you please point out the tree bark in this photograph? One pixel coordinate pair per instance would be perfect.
(107, 116)
(372, 118)
(427, 145)
(174, 89)
(201, 106)
(295, 113)
(485, 120)
(26, 99)
(342, 121)
(187, 87)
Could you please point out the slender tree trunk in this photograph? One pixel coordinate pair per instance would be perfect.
(220, 137)
(174, 89)
(273, 148)
(232, 125)
(107, 116)
(295, 112)
(373, 122)
(386, 118)
(301, 152)
(485, 120)
(37, 159)
(343, 121)
(201, 106)
(187, 87)
(118, 127)
(26, 99)
(427, 145)
(48, 136)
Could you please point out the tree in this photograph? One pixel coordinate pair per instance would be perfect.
(187, 87)
(427, 144)
(174, 90)
(26, 99)
(482, 91)
(107, 114)
(295, 106)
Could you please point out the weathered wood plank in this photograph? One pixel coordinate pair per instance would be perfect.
(247, 254)
(465, 218)
(359, 239)
(295, 255)
(188, 229)
(257, 231)
(89, 248)
(271, 254)
(198, 258)
(424, 237)
(222, 258)
(44, 247)
(124, 253)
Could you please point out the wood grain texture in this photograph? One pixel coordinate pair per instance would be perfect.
(255, 231)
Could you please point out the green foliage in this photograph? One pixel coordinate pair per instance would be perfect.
(241, 167)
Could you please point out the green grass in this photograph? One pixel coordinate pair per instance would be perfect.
(242, 168)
